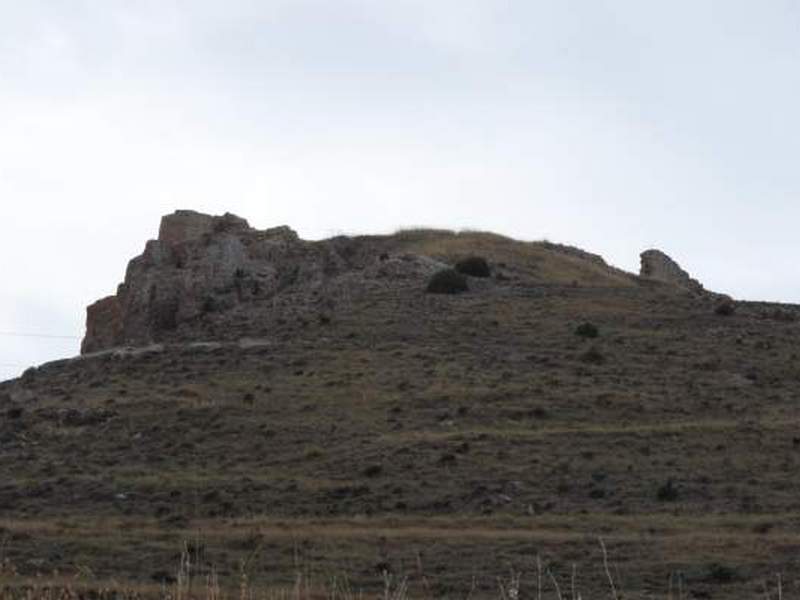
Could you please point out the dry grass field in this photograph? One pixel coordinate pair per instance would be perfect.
(445, 442)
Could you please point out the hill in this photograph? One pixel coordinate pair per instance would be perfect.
(290, 403)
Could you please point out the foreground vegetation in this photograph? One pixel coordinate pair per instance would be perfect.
(193, 581)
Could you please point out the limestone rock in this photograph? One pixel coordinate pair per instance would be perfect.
(188, 225)
(103, 325)
(657, 266)
(198, 265)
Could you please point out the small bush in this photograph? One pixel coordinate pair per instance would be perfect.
(667, 492)
(372, 471)
(474, 266)
(314, 453)
(587, 330)
(725, 308)
(210, 305)
(721, 573)
(447, 281)
(597, 493)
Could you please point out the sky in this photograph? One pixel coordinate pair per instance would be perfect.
(613, 125)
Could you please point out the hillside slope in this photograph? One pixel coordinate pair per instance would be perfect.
(352, 422)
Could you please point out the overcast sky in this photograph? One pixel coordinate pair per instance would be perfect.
(614, 125)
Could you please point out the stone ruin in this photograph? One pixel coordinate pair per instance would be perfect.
(200, 264)
(657, 266)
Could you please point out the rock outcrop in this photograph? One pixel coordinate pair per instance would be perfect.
(202, 267)
(202, 264)
(104, 324)
(657, 266)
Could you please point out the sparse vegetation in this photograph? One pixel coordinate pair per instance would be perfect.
(474, 266)
(447, 281)
(667, 492)
(372, 470)
(719, 573)
(473, 431)
(725, 308)
(587, 330)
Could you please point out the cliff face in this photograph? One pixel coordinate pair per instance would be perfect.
(201, 264)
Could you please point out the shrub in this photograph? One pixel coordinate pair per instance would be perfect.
(597, 493)
(667, 492)
(210, 305)
(721, 573)
(314, 453)
(474, 266)
(447, 281)
(725, 308)
(587, 330)
(372, 471)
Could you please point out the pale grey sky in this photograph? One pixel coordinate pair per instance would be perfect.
(614, 125)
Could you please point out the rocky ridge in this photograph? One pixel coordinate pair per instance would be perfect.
(202, 266)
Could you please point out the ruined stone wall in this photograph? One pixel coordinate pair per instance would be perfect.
(657, 266)
(200, 264)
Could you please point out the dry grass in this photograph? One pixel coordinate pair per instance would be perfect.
(464, 429)
(192, 581)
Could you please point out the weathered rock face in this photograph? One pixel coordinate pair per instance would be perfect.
(104, 324)
(201, 264)
(658, 266)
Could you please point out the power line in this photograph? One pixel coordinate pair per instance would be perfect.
(38, 335)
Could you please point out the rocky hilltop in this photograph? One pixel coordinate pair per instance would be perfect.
(201, 267)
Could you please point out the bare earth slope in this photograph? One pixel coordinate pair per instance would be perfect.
(343, 419)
